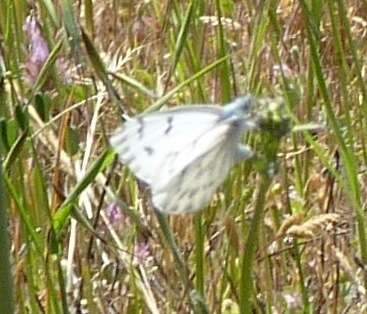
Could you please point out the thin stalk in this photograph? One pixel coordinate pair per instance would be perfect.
(246, 283)
(273, 130)
(199, 254)
(194, 298)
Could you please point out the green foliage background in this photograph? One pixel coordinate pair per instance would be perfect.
(296, 244)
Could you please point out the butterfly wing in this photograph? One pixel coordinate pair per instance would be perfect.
(192, 187)
(150, 144)
(184, 154)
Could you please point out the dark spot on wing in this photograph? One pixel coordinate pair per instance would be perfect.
(141, 126)
(183, 173)
(169, 125)
(149, 150)
(236, 123)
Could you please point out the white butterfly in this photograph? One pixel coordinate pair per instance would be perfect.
(185, 154)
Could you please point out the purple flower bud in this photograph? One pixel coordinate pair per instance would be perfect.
(114, 214)
(38, 51)
(141, 253)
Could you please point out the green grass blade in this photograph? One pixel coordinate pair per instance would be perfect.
(182, 35)
(24, 214)
(159, 103)
(61, 216)
(352, 187)
(45, 71)
(224, 70)
(6, 272)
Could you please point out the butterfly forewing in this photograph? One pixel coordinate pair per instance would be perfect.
(149, 143)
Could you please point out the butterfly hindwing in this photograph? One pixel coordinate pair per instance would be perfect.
(192, 187)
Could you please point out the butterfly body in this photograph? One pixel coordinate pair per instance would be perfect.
(185, 154)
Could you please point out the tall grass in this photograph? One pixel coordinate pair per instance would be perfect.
(83, 235)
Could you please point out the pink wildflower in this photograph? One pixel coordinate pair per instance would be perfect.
(38, 51)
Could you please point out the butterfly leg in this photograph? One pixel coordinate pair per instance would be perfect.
(244, 152)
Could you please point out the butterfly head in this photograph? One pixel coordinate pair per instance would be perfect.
(242, 107)
(245, 104)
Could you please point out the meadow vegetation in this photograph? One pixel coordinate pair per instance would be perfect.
(77, 231)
